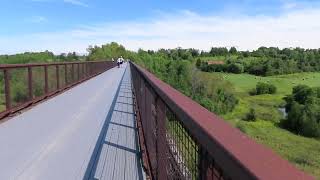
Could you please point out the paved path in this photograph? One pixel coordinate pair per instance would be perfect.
(60, 138)
(119, 143)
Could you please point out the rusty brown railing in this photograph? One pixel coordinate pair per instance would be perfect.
(180, 139)
(24, 84)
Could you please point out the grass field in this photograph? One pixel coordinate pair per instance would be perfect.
(303, 152)
(284, 83)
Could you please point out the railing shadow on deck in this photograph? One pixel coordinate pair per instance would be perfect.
(92, 165)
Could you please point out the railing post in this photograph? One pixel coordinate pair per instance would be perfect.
(87, 69)
(7, 88)
(30, 83)
(58, 77)
(66, 74)
(82, 71)
(46, 79)
(72, 75)
(203, 164)
(78, 72)
(161, 150)
(92, 69)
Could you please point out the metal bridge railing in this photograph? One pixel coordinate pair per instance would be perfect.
(24, 84)
(180, 139)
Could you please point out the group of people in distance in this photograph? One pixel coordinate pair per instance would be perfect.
(120, 61)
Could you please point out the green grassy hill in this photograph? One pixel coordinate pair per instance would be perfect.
(303, 152)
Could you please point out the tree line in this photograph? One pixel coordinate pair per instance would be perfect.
(175, 67)
(39, 57)
(263, 61)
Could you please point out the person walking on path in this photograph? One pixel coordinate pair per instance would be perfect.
(118, 62)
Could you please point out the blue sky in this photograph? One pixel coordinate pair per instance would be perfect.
(73, 25)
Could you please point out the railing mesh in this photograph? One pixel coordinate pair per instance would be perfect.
(172, 150)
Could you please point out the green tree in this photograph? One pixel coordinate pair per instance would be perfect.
(233, 50)
(303, 108)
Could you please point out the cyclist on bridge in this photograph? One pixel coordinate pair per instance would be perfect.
(119, 61)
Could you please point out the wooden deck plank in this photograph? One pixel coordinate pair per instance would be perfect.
(109, 165)
(120, 156)
(104, 152)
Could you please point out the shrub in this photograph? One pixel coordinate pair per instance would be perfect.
(303, 108)
(253, 92)
(263, 88)
(302, 93)
(235, 68)
(272, 89)
(198, 63)
(251, 115)
(19, 92)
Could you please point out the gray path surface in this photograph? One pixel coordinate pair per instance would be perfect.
(56, 139)
(118, 153)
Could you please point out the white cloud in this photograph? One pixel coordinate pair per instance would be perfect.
(76, 2)
(290, 5)
(185, 29)
(37, 19)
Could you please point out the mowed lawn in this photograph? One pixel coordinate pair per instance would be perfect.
(303, 152)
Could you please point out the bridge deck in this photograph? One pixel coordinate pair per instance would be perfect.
(84, 132)
(119, 144)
